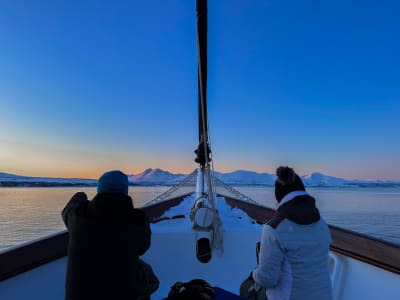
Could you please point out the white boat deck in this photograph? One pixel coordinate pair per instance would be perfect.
(173, 261)
(173, 258)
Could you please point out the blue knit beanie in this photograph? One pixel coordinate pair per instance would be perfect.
(113, 182)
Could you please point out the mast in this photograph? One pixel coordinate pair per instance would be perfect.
(203, 150)
(205, 214)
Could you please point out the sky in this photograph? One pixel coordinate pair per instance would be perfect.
(90, 86)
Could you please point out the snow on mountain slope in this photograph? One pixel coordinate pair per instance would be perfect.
(319, 179)
(246, 177)
(156, 176)
(7, 179)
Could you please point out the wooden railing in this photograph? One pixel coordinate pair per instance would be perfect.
(36, 253)
(31, 255)
(375, 252)
(366, 249)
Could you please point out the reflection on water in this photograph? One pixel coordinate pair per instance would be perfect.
(29, 213)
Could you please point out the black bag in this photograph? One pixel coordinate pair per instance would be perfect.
(196, 289)
(146, 281)
(250, 290)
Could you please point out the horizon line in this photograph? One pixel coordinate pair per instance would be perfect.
(184, 173)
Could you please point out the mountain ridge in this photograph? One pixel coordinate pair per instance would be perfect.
(157, 176)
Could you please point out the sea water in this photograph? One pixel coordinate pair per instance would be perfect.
(31, 213)
(374, 211)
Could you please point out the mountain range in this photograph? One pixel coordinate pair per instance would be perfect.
(155, 176)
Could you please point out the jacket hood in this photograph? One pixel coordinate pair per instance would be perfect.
(300, 210)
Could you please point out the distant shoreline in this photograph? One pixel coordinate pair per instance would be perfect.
(21, 184)
(158, 177)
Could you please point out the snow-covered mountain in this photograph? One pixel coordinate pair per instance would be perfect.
(155, 176)
(11, 180)
(241, 177)
(319, 179)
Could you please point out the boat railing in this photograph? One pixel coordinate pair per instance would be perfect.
(345, 242)
(363, 248)
(376, 252)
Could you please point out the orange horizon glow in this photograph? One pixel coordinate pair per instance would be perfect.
(96, 173)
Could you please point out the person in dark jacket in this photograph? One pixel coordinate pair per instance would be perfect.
(294, 252)
(106, 237)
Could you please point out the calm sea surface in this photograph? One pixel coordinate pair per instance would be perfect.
(30, 213)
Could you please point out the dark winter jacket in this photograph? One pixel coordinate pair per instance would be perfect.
(295, 251)
(106, 236)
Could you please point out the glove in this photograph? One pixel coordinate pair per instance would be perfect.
(79, 196)
(251, 276)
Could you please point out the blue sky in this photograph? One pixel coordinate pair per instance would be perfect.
(88, 86)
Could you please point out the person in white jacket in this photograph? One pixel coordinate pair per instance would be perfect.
(294, 250)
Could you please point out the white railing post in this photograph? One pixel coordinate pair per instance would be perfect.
(335, 267)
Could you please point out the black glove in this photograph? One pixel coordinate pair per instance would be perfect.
(251, 276)
(79, 196)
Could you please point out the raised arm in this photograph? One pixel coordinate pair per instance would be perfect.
(77, 200)
(144, 231)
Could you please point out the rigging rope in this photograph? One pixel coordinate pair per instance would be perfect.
(221, 189)
(168, 194)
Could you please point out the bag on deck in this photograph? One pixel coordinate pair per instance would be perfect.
(196, 289)
(146, 281)
(250, 290)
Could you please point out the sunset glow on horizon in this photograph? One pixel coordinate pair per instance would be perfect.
(91, 87)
